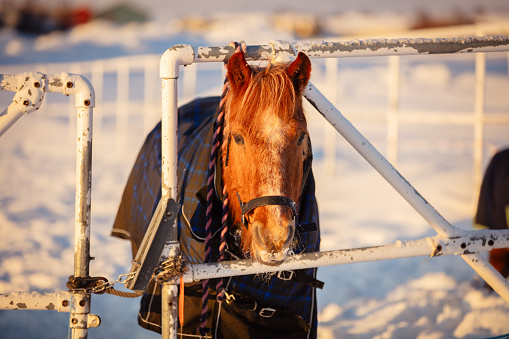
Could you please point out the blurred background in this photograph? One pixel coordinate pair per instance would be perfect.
(434, 142)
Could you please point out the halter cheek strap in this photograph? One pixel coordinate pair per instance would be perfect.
(268, 200)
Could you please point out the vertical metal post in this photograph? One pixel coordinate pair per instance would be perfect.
(171, 60)
(169, 147)
(392, 113)
(80, 304)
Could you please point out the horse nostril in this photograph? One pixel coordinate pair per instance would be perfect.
(257, 232)
(291, 233)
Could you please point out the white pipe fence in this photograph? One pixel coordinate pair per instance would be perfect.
(30, 89)
(117, 101)
(449, 241)
(182, 55)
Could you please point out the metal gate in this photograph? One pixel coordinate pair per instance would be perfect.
(30, 88)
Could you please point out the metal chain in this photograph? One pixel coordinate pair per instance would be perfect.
(109, 284)
(99, 285)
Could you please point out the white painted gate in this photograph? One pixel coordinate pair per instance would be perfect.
(448, 241)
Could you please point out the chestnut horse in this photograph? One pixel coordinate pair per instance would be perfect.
(266, 123)
(264, 170)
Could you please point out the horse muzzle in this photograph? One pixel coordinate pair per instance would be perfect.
(273, 259)
(271, 245)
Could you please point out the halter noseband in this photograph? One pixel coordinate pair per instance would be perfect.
(269, 200)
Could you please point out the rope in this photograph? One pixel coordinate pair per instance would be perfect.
(122, 294)
(222, 246)
(214, 155)
(224, 219)
(210, 192)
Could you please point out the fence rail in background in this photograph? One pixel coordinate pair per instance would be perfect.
(114, 97)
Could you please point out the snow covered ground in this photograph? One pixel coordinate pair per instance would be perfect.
(408, 298)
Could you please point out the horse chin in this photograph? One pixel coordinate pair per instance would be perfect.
(272, 259)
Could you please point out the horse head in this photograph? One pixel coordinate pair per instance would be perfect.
(263, 153)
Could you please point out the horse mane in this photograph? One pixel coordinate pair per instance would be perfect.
(270, 89)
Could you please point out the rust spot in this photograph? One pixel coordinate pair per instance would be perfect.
(50, 307)
(21, 305)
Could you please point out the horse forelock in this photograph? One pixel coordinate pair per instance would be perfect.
(269, 100)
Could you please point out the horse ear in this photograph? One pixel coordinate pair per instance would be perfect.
(239, 72)
(300, 71)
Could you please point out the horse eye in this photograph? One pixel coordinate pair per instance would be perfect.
(301, 139)
(239, 140)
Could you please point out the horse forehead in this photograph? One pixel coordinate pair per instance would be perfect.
(273, 129)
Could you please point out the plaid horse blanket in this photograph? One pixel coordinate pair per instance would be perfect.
(283, 305)
(493, 204)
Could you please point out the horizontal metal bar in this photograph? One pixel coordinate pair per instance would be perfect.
(357, 48)
(30, 88)
(65, 83)
(406, 46)
(467, 243)
(58, 301)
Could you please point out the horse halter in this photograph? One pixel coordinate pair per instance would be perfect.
(268, 200)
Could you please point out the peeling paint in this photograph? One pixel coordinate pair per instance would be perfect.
(57, 82)
(419, 46)
(358, 47)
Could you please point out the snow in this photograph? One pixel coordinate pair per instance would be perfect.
(425, 298)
